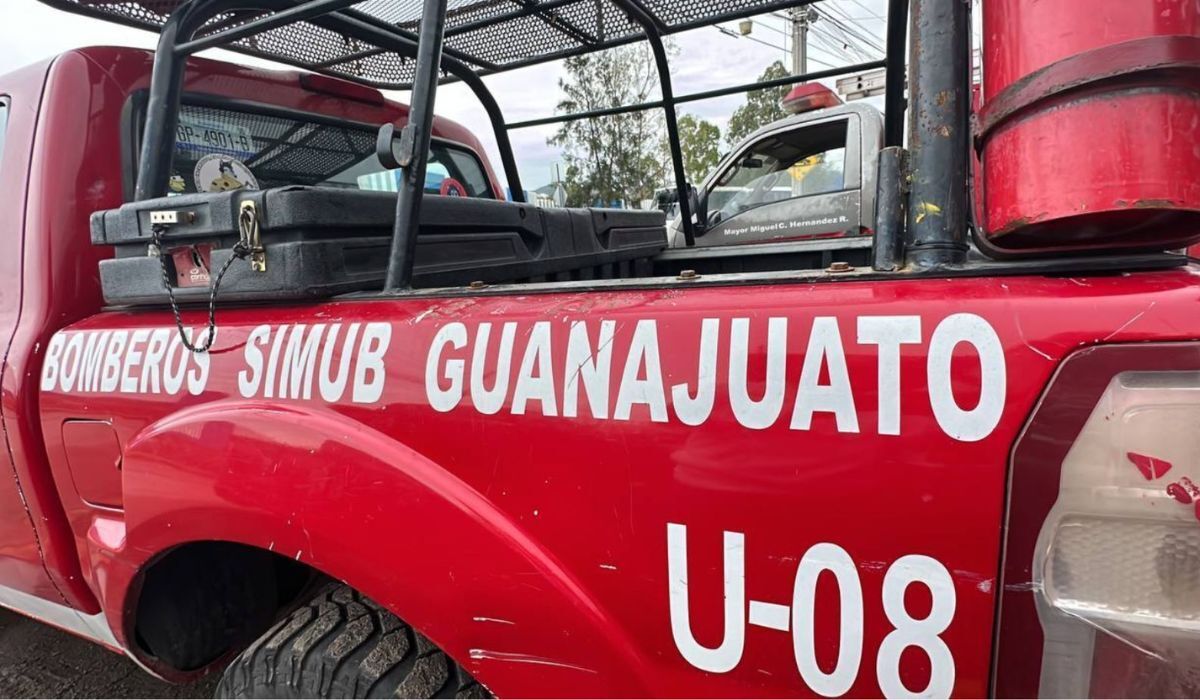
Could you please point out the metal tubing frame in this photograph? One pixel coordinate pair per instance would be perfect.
(401, 44)
(938, 136)
(415, 140)
(166, 86)
(893, 102)
(176, 43)
(297, 13)
(549, 5)
(941, 241)
(890, 191)
(485, 66)
(507, 158)
(560, 24)
(527, 10)
(162, 114)
(697, 96)
(365, 20)
(651, 25)
(328, 13)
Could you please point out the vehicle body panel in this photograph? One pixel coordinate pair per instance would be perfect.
(21, 564)
(67, 141)
(534, 547)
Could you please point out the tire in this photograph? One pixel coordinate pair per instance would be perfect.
(343, 645)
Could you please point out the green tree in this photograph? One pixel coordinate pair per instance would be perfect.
(618, 157)
(700, 141)
(762, 106)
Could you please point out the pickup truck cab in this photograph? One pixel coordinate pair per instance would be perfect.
(808, 176)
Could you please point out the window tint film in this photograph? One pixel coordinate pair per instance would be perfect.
(285, 150)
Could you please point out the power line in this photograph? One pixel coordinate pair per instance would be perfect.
(844, 45)
(856, 31)
(729, 32)
(834, 47)
(841, 36)
(737, 35)
(833, 51)
(772, 28)
(832, 44)
(840, 19)
(868, 11)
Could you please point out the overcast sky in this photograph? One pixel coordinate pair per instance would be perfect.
(708, 59)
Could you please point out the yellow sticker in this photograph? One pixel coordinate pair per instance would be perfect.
(801, 168)
(927, 209)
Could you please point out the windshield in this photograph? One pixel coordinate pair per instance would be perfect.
(805, 161)
(219, 148)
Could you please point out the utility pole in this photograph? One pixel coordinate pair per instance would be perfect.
(802, 19)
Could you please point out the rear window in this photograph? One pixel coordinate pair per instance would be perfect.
(216, 146)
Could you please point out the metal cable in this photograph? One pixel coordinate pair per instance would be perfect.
(239, 251)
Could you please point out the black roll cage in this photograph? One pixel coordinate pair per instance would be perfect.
(938, 129)
(133, 120)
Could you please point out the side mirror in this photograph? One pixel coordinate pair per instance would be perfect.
(698, 204)
(668, 201)
(665, 200)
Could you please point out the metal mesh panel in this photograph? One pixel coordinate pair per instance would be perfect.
(312, 46)
(280, 151)
(681, 12)
(568, 29)
(408, 12)
(492, 34)
(398, 68)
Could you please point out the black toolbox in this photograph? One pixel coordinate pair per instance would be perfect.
(319, 242)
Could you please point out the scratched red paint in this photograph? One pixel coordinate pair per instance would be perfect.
(1179, 493)
(1153, 468)
(1186, 492)
(1150, 467)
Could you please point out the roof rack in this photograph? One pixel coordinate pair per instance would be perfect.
(487, 35)
(418, 44)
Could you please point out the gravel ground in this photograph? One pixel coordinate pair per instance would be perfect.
(38, 661)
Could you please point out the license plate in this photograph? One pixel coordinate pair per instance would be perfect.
(209, 137)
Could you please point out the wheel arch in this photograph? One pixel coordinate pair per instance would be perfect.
(358, 506)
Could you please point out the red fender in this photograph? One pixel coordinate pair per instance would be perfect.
(312, 484)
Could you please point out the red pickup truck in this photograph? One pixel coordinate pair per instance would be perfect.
(626, 478)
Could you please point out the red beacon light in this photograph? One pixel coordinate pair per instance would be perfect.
(808, 97)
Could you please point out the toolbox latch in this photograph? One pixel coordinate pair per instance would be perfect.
(251, 240)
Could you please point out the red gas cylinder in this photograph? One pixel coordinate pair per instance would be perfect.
(1089, 133)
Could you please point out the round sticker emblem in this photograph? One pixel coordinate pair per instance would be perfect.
(453, 188)
(218, 173)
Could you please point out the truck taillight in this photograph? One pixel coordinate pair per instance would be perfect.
(1119, 555)
(1113, 573)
